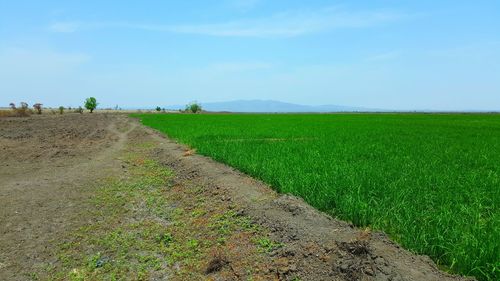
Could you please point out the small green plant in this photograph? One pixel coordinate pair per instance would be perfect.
(38, 108)
(193, 244)
(79, 110)
(267, 245)
(91, 104)
(165, 239)
(158, 109)
(61, 109)
(96, 261)
(193, 107)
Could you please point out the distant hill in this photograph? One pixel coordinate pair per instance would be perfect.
(272, 106)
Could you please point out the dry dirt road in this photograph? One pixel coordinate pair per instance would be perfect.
(100, 197)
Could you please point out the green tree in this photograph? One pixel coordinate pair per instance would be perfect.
(91, 104)
(193, 107)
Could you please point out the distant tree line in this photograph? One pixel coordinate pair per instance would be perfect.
(23, 109)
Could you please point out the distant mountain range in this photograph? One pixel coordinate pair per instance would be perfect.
(273, 106)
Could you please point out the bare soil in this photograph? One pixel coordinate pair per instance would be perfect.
(49, 166)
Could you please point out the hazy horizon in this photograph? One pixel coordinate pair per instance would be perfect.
(394, 55)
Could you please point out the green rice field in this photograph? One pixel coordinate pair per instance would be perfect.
(431, 181)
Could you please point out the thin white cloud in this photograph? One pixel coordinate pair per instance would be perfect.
(286, 24)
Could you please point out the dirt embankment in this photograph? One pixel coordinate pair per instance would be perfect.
(227, 226)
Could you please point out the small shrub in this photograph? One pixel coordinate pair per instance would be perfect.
(91, 104)
(79, 110)
(61, 109)
(158, 108)
(193, 107)
(22, 111)
(38, 108)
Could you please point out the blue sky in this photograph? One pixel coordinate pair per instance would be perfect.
(442, 55)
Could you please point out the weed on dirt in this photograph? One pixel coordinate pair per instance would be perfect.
(147, 226)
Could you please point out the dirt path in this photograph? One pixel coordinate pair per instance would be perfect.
(140, 207)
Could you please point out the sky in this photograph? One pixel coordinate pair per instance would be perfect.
(386, 54)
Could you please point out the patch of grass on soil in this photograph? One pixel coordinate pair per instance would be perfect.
(145, 226)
